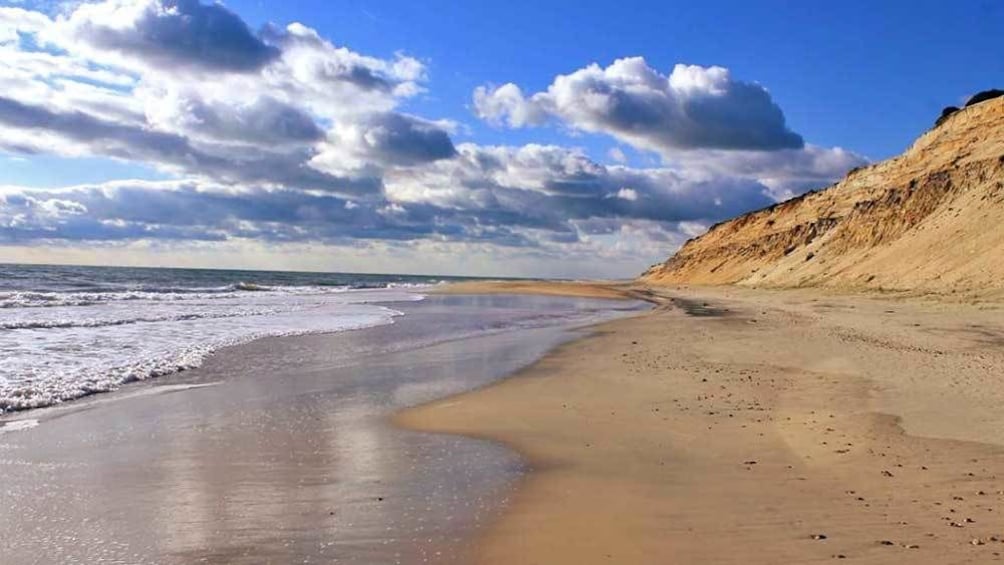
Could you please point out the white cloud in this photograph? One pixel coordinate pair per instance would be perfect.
(147, 35)
(188, 88)
(383, 140)
(628, 194)
(506, 104)
(617, 154)
(692, 108)
(14, 20)
(785, 173)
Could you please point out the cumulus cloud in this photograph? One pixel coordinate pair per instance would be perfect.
(18, 20)
(86, 134)
(693, 107)
(188, 88)
(175, 33)
(262, 121)
(384, 140)
(786, 173)
(312, 60)
(629, 194)
(551, 187)
(506, 104)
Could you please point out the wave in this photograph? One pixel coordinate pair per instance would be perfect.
(62, 323)
(251, 287)
(413, 285)
(69, 299)
(17, 426)
(46, 386)
(32, 299)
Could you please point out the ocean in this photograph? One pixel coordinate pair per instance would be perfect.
(72, 331)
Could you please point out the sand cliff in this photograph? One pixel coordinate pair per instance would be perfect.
(931, 219)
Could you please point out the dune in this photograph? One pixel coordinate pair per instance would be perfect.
(928, 221)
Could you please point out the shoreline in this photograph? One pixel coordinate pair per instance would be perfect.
(763, 427)
(618, 290)
(126, 388)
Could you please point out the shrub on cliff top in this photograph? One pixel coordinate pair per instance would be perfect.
(944, 115)
(984, 96)
(974, 99)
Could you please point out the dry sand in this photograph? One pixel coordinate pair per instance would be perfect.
(742, 426)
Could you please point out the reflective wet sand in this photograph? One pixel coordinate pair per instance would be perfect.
(280, 451)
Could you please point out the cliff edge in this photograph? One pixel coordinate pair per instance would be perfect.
(929, 219)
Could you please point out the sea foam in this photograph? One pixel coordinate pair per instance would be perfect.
(60, 346)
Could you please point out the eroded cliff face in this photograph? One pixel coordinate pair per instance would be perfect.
(930, 219)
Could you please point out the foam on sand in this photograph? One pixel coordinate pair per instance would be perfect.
(17, 426)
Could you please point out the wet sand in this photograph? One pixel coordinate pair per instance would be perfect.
(743, 426)
(582, 289)
(280, 451)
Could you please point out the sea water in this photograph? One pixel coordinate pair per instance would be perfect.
(67, 332)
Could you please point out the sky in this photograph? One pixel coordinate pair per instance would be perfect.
(583, 139)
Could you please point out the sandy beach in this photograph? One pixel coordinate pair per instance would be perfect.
(742, 426)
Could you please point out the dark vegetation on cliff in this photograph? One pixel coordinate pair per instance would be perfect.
(974, 99)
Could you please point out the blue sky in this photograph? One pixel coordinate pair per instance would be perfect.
(452, 137)
(862, 75)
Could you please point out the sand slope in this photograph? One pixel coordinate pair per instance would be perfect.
(931, 219)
